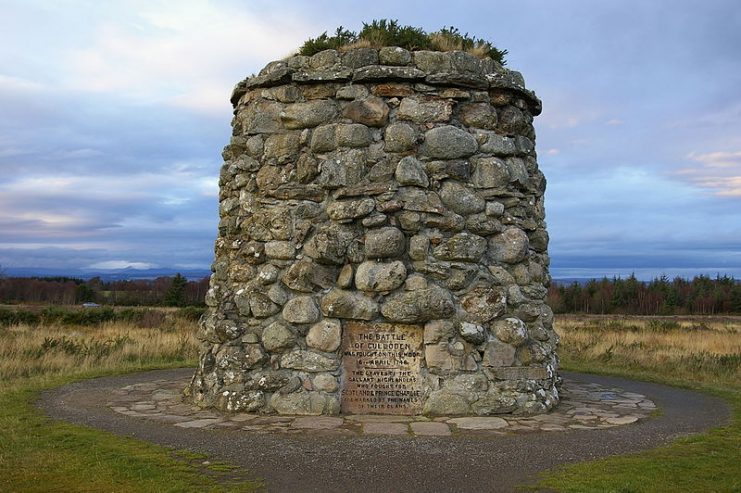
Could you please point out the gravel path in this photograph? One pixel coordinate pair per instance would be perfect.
(326, 462)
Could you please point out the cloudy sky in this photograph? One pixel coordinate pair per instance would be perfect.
(113, 115)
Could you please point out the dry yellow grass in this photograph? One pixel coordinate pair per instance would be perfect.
(705, 349)
(28, 350)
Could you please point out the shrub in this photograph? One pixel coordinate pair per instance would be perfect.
(386, 32)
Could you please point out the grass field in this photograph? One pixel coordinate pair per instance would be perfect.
(701, 353)
(38, 454)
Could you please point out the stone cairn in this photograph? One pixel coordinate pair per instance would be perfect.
(382, 244)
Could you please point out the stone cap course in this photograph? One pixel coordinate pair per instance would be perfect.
(391, 63)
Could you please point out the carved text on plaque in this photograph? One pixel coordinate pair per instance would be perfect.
(381, 368)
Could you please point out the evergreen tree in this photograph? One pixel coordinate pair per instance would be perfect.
(175, 295)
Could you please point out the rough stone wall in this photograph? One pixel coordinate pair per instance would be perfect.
(384, 186)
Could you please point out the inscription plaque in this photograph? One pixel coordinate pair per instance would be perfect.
(381, 367)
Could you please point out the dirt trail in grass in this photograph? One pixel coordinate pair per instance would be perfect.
(307, 463)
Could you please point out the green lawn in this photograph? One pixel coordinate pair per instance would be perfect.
(39, 454)
(710, 462)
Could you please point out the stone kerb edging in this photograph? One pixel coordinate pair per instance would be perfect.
(391, 63)
(583, 406)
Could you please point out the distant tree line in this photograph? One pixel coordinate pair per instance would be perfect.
(162, 291)
(702, 295)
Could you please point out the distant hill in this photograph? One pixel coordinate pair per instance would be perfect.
(106, 275)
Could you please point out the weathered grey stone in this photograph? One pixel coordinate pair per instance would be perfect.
(308, 114)
(262, 306)
(308, 361)
(473, 81)
(494, 403)
(418, 200)
(494, 143)
(510, 247)
(478, 115)
(519, 373)
(325, 382)
(511, 120)
(457, 169)
(350, 209)
(282, 148)
(448, 142)
(306, 276)
(323, 138)
(410, 171)
(483, 303)
(245, 357)
(371, 111)
(277, 295)
(467, 383)
(489, 172)
(330, 243)
(443, 403)
(301, 310)
(415, 282)
(267, 273)
(271, 177)
(483, 225)
(324, 59)
(518, 171)
(352, 135)
(473, 333)
(277, 337)
(462, 246)
(438, 330)
(343, 168)
(325, 75)
(494, 209)
(538, 240)
(352, 92)
(425, 110)
(242, 300)
(510, 330)
(393, 55)
(384, 242)
(302, 403)
(440, 358)
(460, 198)
(418, 247)
(283, 250)
(325, 335)
(399, 137)
(345, 277)
(383, 72)
(431, 62)
(380, 276)
(420, 306)
(360, 57)
(499, 354)
(262, 118)
(235, 402)
(340, 303)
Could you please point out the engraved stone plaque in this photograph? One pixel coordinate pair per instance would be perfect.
(381, 369)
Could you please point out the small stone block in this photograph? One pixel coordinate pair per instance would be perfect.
(381, 428)
(318, 423)
(483, 423)
(430, 429)
(198, 423)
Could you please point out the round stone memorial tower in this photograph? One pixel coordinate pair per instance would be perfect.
(382, 245)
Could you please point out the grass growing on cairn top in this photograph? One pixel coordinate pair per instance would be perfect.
(385, 32)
